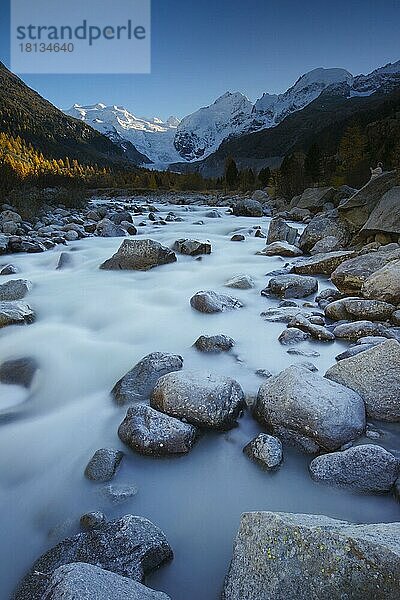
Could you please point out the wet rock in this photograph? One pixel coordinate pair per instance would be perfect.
(129, 228)
(293, 336)
(15, 289)
(309, 411)
(357, 329)
(308, 365)
(263, 373)
(213, 214)
(30, 245)
(291, 286)
(71, 236)
(212, 302)
(64, 261)
(139, 255)
(119, 217)
(384, 284)
(4, 241)
(8, 270)
(119, 493)
(396, 490)
(9, 215)
(247, 208)
(93, 520)
(15, 313)
(312, 556)
(350, 276)
(280, 249)
(153, 433)
(308, 353)
(285, 314)
(321, 264)
(90, 582)
(214, 343)
(130, 546)
(367, 468)
(240, 282)
(318, 332)
(238, 237)
(266, 450)
(103, 464)
(139, 382)
(206, 401)
(359, 309)
(280, 231)
(20, 371)
(106, 228)
(375, 376)
(192, 247)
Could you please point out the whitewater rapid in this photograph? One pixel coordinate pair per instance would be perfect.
(92, 326)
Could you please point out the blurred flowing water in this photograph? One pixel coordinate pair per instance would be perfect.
(92, 327)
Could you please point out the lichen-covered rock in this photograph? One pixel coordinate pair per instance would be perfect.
(247, 208)
(139, 382)
(293, 336)
(321, 264)
(323, 227)
(280, 248)
(357, 329)
(240, 282)
(103, 464)
(212, 302)
(314, 198)
(375, 375)
(385, 218)
(106, 228)
(130, 546)
(214, 343)
(15, 289)
(206, 401)
(15, 313)
(192, 247)
(384, 284)
(139, 255)
(89, 582)
(359, 309)
(266, 450)
(367, 468)
(280, 231)
(291, 286)
(327, 244)
(282, 556)
(351, 274)
(153, 433)
(302, 407)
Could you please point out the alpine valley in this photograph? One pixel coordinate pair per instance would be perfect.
(258, 134)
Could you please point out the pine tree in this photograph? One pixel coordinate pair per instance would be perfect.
(312, 164)
(231, 174)
(264, 176)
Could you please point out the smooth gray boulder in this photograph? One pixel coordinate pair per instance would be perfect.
(210, 401)
(130, 546)
(359, 309)
(192, 247)
(214, 343)
(293, 336)
(211, 302)
(285, 314)
(81, 581)
(139, 255)
(282, 556)
(323, 227)
(15, 289)
(280, 231)
(240, 282)
(313, 198)
(318, 332)
(280, 248)
(309, 411)
(247, 208)
(327, 244)
(103, 464)
(139, 382)
(366, 468)
(153, 433)
(357, 329)
(106, 228)
(291, 286)
(321, 264)
(19, 371)
(351, 274)
(265, 450)
(375, 375)
(385, 218)
(15, 313)
(384, 284)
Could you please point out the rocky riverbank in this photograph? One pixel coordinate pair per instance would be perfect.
(214, 348)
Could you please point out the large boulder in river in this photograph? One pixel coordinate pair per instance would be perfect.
(89, 582)
(280, 231)
(282, 556)
(15, 313)
(211, 401)
(357, 329)
(153, 433)
(139, 255)
(358, 208)
(324, 226)
(384, 284)
(214, 343)
(291, 286)
(192, 247)
(139, 382)
(385, 218)
(130, 546)
(309, 411)
(367, 468)
(321, 264)
(103, 464)
(247, 208)
(15, 289)
(351, 274)
(355, 309)
(375, 375)
(19, 371)
(280, 249)
(106, 228)
(211, 302)
(314, 198)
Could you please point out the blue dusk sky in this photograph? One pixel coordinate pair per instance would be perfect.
(202, 49)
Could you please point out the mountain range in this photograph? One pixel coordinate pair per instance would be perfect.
(196, 141)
